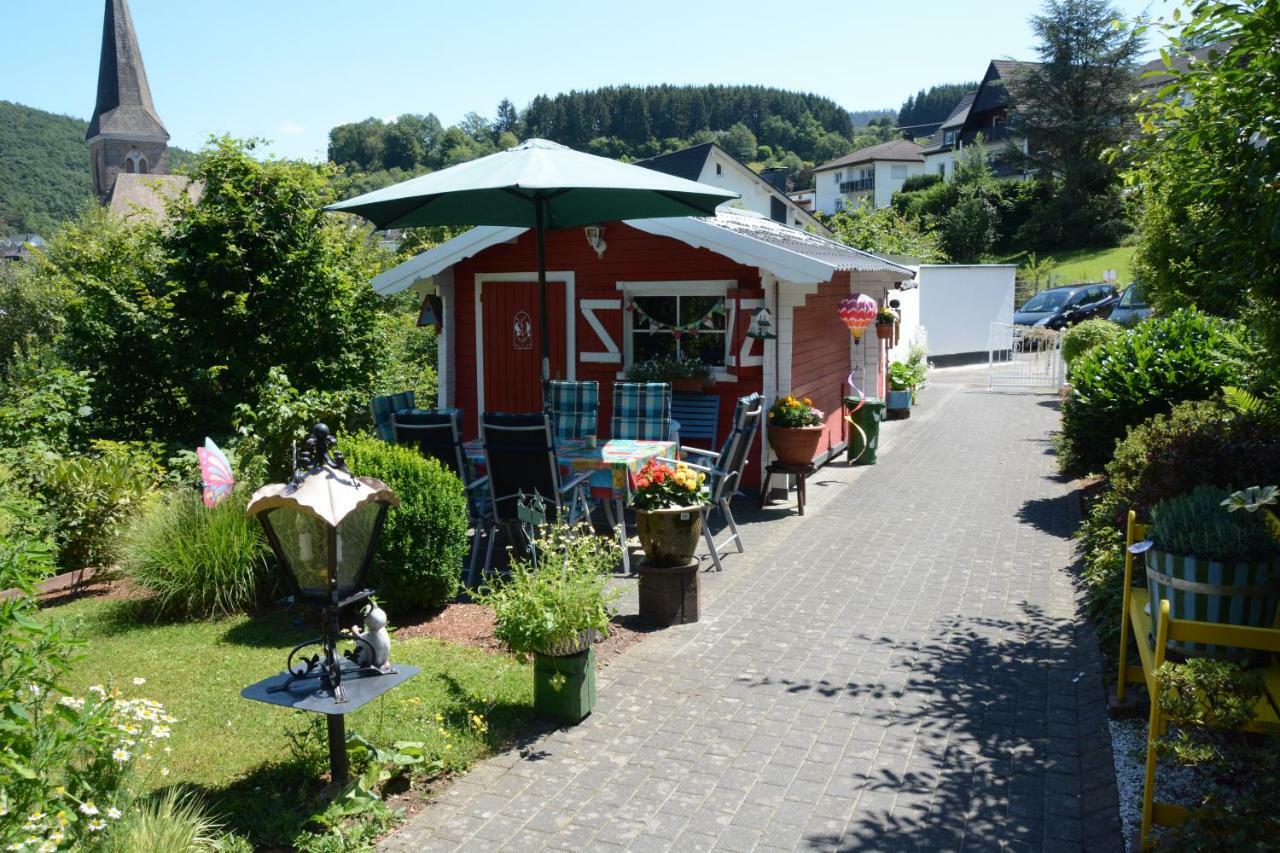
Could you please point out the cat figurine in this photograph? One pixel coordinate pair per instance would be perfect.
(375, 650)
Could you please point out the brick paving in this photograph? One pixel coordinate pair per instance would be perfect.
(902, 668)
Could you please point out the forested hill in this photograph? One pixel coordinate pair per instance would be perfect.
(44, 168)
(759, 125)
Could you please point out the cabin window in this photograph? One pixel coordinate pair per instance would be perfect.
(719, 169)
(839, 178)
(948, 137)
(942, 168)
(684, 319)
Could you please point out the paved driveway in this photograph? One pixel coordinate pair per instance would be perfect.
(901, 668)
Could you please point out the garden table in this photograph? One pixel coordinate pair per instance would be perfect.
(614, 465)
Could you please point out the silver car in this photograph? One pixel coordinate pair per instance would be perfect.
(1132, 307)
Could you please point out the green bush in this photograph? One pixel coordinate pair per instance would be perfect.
(1181, 356)
(91, 497)
(1197, 523)
(1168, 455)
(1082, 337)
(197, 561)
(424, 541)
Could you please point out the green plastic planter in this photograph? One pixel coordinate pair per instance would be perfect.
(575, 698)
(868, 418)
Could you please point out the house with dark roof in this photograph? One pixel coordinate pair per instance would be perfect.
(764, 193)
(984, 111)
(17, 247)
(869, 175)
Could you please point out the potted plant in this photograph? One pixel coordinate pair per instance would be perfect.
(886, 324)
(668, 501)
(1212, 565)
(902, 381)
(919, 368)
(552, 605)
(795, 429)
(668, 522)
(684, 374)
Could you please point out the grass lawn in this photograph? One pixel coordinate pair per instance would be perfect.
(1077, 265)
(238, 752)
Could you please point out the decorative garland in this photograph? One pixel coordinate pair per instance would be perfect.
(706, 321)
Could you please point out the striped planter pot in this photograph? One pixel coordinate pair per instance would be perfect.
(1210, 591)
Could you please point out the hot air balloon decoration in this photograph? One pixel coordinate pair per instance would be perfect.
(857, 312)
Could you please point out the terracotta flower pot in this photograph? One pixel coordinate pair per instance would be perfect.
(669, 536)
(688, 385)
(795, 445)
(884, 331)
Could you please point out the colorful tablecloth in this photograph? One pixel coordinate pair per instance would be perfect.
(614, 463)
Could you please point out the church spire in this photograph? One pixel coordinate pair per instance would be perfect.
(124, 104)
(125, 133)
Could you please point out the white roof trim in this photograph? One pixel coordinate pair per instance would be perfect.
(700, 233)
(440, 258)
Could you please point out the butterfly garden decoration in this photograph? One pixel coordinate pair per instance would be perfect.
(215, 471)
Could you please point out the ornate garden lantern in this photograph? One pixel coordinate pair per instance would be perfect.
(323, 526)
(857, 312)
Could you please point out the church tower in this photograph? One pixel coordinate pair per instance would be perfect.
(125, 133)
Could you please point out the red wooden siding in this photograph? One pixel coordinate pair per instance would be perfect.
(631, 255)
(820, 355)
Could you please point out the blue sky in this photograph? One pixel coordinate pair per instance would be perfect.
(288, 70)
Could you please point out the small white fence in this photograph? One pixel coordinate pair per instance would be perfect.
(1024, 357)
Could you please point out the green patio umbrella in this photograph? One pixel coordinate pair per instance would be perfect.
(539, 185)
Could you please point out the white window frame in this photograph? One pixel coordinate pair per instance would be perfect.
(714, 287)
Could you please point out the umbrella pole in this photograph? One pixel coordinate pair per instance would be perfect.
(540, 227)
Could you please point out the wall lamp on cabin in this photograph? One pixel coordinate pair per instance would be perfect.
(595, 239)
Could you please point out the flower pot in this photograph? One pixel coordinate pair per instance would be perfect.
(897, 401)
(669, 594)
(691, 386)
(1239, 593)
(884, 331)
(669, 536)
(564, 686)
(795, 445)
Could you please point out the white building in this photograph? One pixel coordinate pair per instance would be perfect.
(874, 173)
(708, 163)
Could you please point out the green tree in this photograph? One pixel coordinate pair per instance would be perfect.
(884, 232)
(507, 119)
(740, 142)
(1072, 107)
(182, 322)
(1206, 166)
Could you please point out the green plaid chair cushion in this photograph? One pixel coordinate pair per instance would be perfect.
(575, 407)
(383, 408)
(641, 411)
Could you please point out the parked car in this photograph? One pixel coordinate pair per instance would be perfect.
(1132, 307)
(1059, 307)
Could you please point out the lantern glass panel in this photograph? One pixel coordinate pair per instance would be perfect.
(355, 534)
(305, 542)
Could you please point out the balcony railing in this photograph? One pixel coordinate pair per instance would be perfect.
(857, 186)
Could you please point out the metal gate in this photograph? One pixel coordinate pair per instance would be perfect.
(1024, 357)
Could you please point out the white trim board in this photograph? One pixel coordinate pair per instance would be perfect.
(565, 277)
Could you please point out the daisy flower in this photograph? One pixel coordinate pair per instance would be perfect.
(138, 681)
(88, 808)
(97, 825)
(114, 813)
(121, 755)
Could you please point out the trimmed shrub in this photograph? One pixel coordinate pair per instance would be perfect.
(1181, 356)
(1168, 455)
(197, 561)
(424, 541)
(1082, 337)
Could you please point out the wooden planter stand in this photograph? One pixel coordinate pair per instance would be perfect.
(669, 594)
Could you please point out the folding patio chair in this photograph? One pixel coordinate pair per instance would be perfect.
(437, 434)
(698, 416)
(724, 471)
(383, 408)
(575, 407)
(641, 411)
(520, 458)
